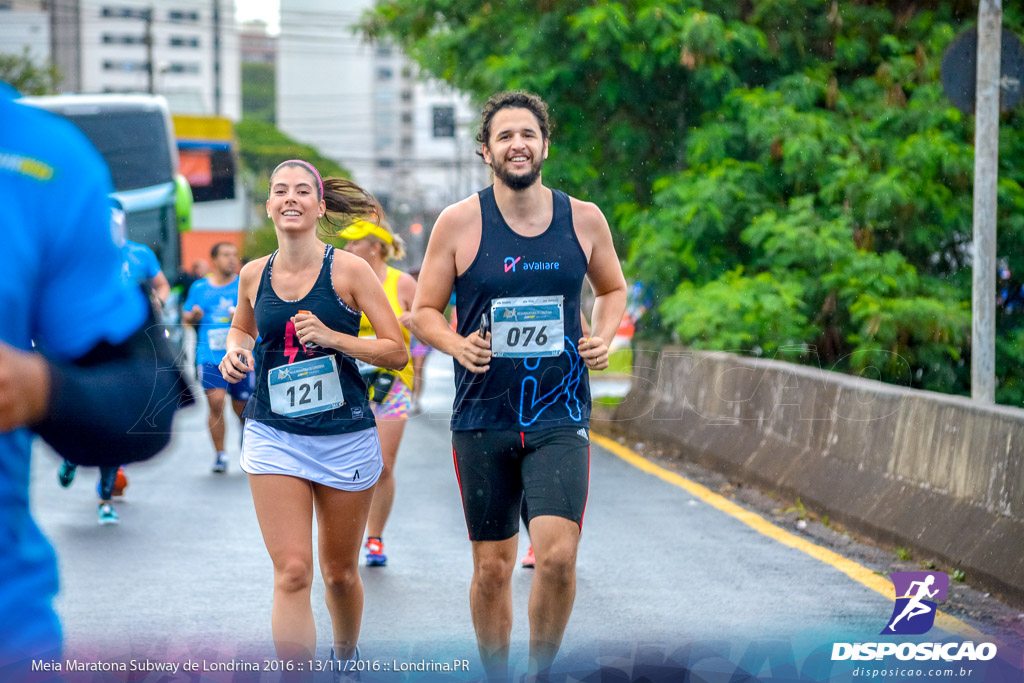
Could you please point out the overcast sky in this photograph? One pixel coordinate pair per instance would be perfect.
(267, 10)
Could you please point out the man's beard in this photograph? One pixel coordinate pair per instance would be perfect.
(517, 182)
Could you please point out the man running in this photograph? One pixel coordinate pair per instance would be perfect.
(517, 254)
(139, 267)
(209, 307)
(93, 391)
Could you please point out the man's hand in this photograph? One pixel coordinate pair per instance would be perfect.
(24, 388)
(310, 330)
(236, 364)
(193, 316)
(594, 352)
(474, 353)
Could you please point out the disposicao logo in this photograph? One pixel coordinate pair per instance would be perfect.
(917, 597)
(917, 594)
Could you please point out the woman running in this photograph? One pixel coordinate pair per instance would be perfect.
(310, 444)
(391, 392)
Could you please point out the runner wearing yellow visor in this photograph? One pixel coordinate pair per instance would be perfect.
(391, 392)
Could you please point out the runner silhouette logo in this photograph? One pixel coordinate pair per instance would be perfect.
(917, 594)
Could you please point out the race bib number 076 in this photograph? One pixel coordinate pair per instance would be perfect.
(527, 327)
(304, 388)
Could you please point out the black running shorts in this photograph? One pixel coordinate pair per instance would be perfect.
(545, 472)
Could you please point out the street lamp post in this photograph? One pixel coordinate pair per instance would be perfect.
(986, 173)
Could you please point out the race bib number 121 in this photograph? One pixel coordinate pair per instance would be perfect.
(304, 388)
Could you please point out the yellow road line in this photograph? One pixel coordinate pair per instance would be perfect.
(855, 571)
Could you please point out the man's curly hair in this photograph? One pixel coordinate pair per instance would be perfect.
(513, 98)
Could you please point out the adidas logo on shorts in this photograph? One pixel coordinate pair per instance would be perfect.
(583, 432)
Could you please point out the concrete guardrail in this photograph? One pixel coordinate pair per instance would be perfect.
(937, 473)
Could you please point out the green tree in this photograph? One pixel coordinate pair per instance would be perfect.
(785, 176)
(262, 147)
(259, 92)
(27, 77)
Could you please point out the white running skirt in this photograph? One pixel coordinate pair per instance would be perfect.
(351, 462)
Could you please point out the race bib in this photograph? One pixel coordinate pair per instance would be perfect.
(218, 339)
(305, 388)
(527, 327)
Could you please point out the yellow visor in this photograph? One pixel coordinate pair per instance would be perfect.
(361, 229)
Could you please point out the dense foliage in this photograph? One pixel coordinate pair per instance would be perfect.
(262, 147)
(785, 177)
(28, 77)
(258, 92)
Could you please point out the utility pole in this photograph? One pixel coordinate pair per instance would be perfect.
(216, 58)
(150, 77)
(986, 173)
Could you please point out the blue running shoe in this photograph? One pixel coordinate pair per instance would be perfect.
(106, 514)
(345, 671)
(375, 556)
(67, 473)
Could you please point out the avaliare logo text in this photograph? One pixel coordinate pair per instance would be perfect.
(512, 262)
(540, 265)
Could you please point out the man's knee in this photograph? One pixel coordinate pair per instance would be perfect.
(215, 397)
(557, 563)
(492, 572)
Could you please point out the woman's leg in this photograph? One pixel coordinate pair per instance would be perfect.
(417, 379)
(341, 518)
(284, 508)
(390, 430)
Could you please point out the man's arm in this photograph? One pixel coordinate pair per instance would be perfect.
(106, 408)
(191, 311)
(605, 275)
(437, 277)
(160, 286)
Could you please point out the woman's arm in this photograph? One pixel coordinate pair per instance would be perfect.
(361, 286)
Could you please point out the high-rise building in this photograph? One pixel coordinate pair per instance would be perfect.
(407, 140)
(257, 46)
(186, 50)
(25, 30)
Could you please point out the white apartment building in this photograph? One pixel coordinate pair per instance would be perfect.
(186, 50)
(363, 105)
(25, 26)
(193, 61)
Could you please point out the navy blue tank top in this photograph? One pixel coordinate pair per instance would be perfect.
(279, 346)
(523, 394)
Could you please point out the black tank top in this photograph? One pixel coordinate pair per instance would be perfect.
(523, 394)
(279, 346)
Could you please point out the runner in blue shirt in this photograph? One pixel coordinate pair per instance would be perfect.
(139, 266)
(209, 306)
(97, 374)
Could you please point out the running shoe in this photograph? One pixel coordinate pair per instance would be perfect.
(67, 473)
(375, 556)
(220, 464)
(106, 514)
(120, 483)
(529, 561)
(345, 671)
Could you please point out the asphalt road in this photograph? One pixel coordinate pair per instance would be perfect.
(664, 580)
